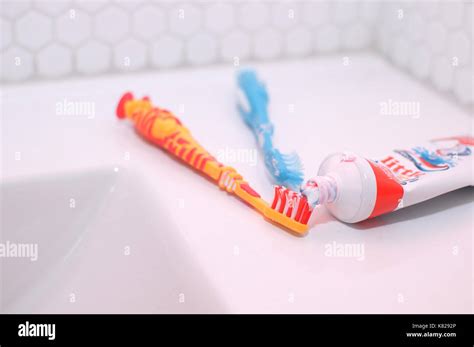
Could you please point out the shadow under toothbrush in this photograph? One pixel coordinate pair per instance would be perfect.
(440, 203)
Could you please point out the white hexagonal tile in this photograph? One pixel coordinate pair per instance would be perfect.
(148, 22)
(442, 73)
(298, 41)
(14, 8)
(267, 44)
(468, 24)
(93, 57)
(420, 62)
(384, 40)
(185, 20)
(401, 51)
(315, 13)
(285, 15)
(429, 9)
(5, 33)
(253, 16)
(167, 51)
(54, 61)
(111, 24)
(52, 7)
(130, 55)
(415, 28)
(459, 47)
(220, 17)
(235, 45)
(356, 36)
(436, 37)
(394, 17)
(201, 49)
(73, 27)
(345, 12)
(129, 5)
(91, 6)
(452, 13)
(327, 38)
(34, 30)
(463, 87)
(370, 11)
(17, 64)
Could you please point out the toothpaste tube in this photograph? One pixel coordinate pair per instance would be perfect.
(354, 188)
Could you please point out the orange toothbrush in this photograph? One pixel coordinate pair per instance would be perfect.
(162, 128)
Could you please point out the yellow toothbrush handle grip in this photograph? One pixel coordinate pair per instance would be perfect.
(165, 130)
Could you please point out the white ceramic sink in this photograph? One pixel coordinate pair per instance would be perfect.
(103, 245)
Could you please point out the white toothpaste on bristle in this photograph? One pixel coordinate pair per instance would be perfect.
(354, 188)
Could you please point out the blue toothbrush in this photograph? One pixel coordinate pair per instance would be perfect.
(285, 169)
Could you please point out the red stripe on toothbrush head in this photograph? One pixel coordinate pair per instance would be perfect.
(306, 213)
(283, 193)
(276, 197)
(291, 203)
(301, 206)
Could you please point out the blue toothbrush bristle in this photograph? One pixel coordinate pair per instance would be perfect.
(285, 169)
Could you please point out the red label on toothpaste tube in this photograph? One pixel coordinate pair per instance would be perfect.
(389, 190)
(422, 172)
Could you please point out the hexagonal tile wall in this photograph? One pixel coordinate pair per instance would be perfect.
(148, 22)
(167, 52)
(14, 9)
(34, 30)
(54, 61)
(111, 24)
(130, 55)
(253, 16)
(185, 20)
(327, 38)
(52, 7)
(432, 40)
(17, 64)
(267, 44)
(298, 41)
(235, 46)
(93, 57)
(201, 49)
(73, 27)
(220, 18)
(6, 33)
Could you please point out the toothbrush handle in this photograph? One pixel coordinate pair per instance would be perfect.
(165, 130)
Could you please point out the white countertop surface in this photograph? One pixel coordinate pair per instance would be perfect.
(417, 260)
